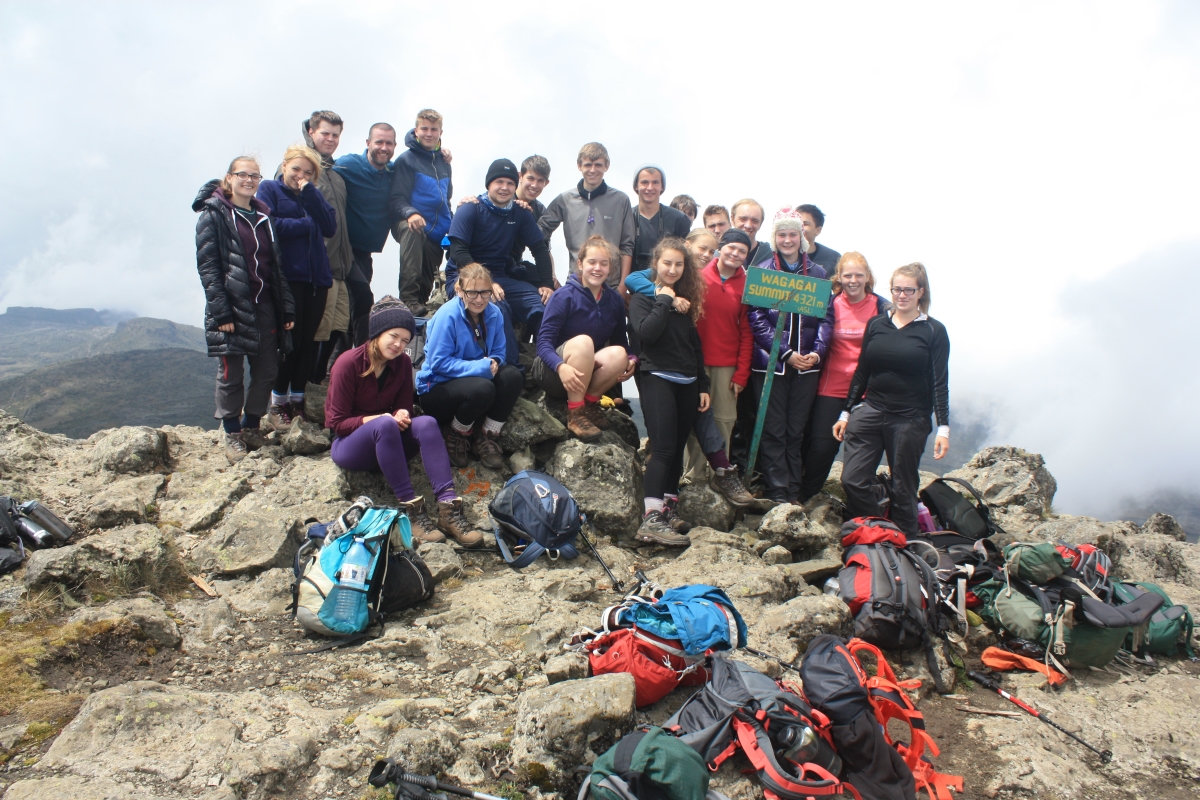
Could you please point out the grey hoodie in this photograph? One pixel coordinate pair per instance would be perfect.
(333, 189)
(611, 216)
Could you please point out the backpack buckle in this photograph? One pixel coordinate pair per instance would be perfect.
(553, 553)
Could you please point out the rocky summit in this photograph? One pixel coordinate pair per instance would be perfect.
(154, 657)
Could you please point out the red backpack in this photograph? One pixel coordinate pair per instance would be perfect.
(657, 665)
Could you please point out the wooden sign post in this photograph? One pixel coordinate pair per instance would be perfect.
(787, 293)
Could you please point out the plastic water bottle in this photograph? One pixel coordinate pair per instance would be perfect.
(833, 587)
(352, 584)
(925, 519)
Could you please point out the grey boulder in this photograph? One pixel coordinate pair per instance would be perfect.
(133, 449)
(605, 481)
(249, 542)
(147, 614)
(1010, 476)
(529, 425)
(131, 555)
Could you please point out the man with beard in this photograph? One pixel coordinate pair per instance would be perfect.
(748, 215)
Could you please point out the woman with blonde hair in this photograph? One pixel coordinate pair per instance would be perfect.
(902, 378)
(248, 306)
(851, 307)
(304, 220)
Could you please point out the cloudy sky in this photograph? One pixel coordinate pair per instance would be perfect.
(1039, 158)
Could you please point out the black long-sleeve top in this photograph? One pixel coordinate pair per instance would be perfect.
(664, 339)
(904, 370)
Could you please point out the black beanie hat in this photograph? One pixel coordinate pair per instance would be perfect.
(390, 313)
(501, 168)
(735, 236)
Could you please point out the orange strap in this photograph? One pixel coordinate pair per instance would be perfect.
(1004, 661)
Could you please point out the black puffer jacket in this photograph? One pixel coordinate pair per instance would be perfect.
(222, 265)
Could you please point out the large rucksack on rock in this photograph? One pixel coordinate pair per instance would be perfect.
(892, 591)
(535, 514)
(859, 707)
(649, 765)
(1170, 627)
(955, 513)
(962, 564)
(397, 577)
(785, 741)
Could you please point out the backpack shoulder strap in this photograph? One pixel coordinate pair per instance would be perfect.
(623, 757)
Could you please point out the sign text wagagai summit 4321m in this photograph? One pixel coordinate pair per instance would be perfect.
(783, 291)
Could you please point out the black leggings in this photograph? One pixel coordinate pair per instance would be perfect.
(820, 448)
(468, 399)
(669, 410)
(297, 367)
(358, 284)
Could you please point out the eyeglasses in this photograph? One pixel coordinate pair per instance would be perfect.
(474, 294)
(907, 291)
(253, 177)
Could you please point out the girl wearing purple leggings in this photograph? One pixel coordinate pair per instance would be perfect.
(369, 409)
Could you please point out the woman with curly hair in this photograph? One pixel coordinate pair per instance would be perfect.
(674, 385)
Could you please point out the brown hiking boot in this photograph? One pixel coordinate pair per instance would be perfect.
(453, 523)
(656, 530)
(596, 416)
(424, 529)
(280, 417)
(671, 515)
(235, 447)
(458, 447)
(731, 488)
(580, 424)
(487, 449)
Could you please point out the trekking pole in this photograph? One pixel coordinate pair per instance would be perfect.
(986, 682)
(617, 587)
(770, 657)
(388, 771)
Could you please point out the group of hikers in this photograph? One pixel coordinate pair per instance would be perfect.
(287, 265)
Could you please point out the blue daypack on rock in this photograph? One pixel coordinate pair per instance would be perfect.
(535, 514)
(701, 617)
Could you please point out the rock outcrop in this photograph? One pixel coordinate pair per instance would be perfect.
(128, 680)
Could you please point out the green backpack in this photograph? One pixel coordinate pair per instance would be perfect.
(1011, 610)
(647, 765)
(1169, 628)
(1035, 563)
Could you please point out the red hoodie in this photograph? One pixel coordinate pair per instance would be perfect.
(725, 326)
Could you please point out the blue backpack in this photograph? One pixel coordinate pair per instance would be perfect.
(701, 617)
(535, 514)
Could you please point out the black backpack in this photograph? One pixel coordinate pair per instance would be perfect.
(784, 740)
(892, 591)
(12, 549)
(955, 513)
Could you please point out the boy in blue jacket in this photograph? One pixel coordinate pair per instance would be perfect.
(486, 233)
(420, 207)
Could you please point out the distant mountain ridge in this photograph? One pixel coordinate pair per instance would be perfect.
(32, 338)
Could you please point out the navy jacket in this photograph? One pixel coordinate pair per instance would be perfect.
(368, 220)
(573, 310)
(303, 221)
(762, 325)
(422, 185)
(488, 235)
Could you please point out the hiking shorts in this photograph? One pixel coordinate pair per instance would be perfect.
(548, 378)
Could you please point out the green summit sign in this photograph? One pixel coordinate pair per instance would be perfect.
(783, 291)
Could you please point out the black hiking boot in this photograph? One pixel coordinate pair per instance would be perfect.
(458, 446)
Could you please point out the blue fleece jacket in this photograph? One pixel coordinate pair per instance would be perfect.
(639, 281)
(573, 310)
(456, 348)
(422, 185)
(368, 219)
(303, 222)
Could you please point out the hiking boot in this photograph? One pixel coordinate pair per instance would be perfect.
(487, 449)
(677, 523)
(255, 439)
(235, 447)
(296, 410)
(424, 529)
(580, 425)
(729, 486)
(596, 416)
(453, 523)
(280, 417)
(458, 447)
(657, 530)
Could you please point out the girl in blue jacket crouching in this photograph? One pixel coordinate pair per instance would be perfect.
(464, 377)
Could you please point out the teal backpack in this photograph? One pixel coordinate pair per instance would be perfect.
(1170, 627)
